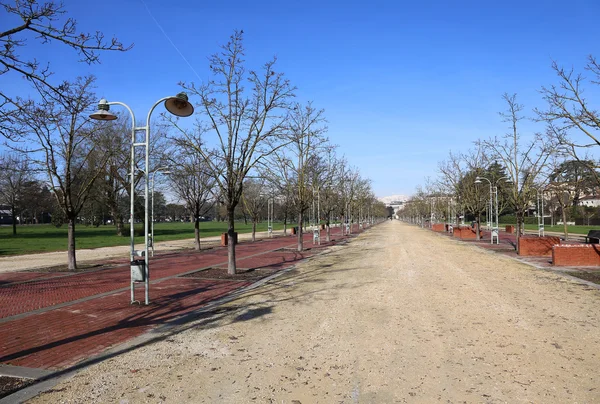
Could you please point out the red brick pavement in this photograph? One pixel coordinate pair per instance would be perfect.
(61, 337)
(25, 297)
(58, 337)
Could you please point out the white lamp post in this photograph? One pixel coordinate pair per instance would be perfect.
(494, 189)
(177, 105)
(478, 181)
(540, 222)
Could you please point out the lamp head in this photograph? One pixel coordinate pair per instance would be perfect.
(179, 105)
(477, 180)
(103, 113)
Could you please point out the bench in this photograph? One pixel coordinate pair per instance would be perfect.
(593, 237)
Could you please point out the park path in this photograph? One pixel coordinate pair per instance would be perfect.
(52, 321)
(399, 314)
(14, 263)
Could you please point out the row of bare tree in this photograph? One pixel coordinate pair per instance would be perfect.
(558, 164)
(250, 141)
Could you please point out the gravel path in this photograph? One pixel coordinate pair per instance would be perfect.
(400, 314)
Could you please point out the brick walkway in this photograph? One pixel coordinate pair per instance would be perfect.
(55, 320)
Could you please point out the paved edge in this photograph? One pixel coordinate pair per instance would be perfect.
(161, 332)
(23, 372)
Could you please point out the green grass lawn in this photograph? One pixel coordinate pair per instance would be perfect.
(46, 238)
(561, 229)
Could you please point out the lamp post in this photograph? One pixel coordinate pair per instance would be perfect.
(177, 105)
(540, 222)
(270, 210)
(493, 193)
(165, 171)
(478, 181)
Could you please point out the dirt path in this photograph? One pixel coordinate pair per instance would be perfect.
(399, 315)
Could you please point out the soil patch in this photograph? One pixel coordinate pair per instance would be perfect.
(592, 276)
(241, 275)
(9, 385)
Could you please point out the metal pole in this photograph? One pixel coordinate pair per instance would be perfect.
(132, 204)
(132, 191)
(490, 209)
(152, 219)
(146, 216)
(319, 213)
(146, 227)
(543, 224)
(497, 223)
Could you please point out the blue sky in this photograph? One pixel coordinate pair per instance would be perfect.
(402, 83)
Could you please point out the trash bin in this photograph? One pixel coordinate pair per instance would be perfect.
(225, 239)
(295, 230)
(138, 270)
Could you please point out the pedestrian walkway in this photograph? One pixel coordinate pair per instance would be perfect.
(507, 246)
(55, 320)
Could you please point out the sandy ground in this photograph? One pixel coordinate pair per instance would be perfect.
(46, 260)
(400, 314)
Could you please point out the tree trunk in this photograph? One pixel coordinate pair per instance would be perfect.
(520, 221)
(350, 223)
(477, 227)
(285, 225)
(197, 233)
(328, 232)
(300, 238)
(14, 219)
(253, 231)
(231, 267)
(72, 262)
(119, 223)
(564, 218)
(117, 217)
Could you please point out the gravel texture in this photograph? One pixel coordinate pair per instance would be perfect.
(400, 314)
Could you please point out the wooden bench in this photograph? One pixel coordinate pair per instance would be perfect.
(593, 237)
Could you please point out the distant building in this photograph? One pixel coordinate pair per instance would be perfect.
(591, 200)
(396, 205)
(5, 215)
(396, 202)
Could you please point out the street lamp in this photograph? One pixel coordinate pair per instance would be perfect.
(177, 105)
(540, 223)
(478, 181)
(493, 193)
(165, 170)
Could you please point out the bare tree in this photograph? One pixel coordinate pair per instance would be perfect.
(193, 183)
(15, 175)
(45, 22)
(306, 128)
(568, 181)
(248, 123)
(328, 192)
(573, 120)
(62, 134)
(254, 199)
(114, 140)
(524, 161)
